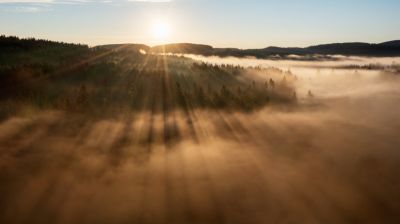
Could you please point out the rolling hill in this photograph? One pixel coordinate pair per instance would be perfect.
(385, 49)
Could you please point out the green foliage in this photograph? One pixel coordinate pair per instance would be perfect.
(101, 82)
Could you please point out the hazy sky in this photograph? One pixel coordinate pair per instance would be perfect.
(222, 23)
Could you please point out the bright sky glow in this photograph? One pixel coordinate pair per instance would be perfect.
(221, 23)
(161, 31)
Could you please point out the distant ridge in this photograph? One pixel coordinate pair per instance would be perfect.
(393, 43)
(385, 49)
(126, 46)
(183, 48)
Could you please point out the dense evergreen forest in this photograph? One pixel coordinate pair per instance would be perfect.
(46, 75)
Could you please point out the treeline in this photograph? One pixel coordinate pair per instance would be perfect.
(101, 82)
(394, 68)
(27, 52)
(37, 57)
(386, 49)
(107, 88)
(13, 43)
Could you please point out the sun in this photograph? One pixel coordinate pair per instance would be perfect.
(161, 30)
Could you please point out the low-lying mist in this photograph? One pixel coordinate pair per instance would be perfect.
(330, 157)
(300, 61)
(343, 76)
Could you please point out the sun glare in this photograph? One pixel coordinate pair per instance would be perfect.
(161, 30)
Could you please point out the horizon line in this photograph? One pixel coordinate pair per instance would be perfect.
(194, 43)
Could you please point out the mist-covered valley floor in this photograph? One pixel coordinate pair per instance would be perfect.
(111, 137)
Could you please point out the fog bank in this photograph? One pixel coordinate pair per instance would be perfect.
(331, 158)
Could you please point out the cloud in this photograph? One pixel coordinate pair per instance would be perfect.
(26, 1)
(35, 6)
(27, 9)
(72, 1)
(150, 0)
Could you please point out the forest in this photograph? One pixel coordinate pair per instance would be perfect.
(120, 134)
(45, 75)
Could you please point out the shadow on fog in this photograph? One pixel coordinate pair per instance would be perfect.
(280, 163)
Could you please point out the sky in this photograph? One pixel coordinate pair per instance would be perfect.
(220, 23)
